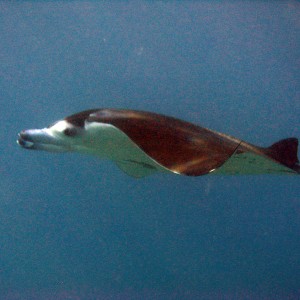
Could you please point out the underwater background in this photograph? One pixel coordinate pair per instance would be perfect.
(75, 227)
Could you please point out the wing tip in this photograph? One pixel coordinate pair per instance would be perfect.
(285, 152)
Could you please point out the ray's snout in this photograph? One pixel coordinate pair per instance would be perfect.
(25, 140)
(42, 139)
(34, 139)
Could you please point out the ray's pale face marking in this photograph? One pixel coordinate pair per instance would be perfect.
(75, 138)
(64, 129)
(58, 137)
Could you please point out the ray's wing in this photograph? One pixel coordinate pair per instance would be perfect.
(249, 159)
(185, 148)
(179, 146)
(136, 169)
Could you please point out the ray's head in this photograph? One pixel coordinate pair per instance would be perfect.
(76, 133)
(61, 136)
(64, 135)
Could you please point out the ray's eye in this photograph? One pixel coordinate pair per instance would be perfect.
(70, 132)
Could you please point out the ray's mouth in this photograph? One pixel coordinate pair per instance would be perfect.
(25, 141)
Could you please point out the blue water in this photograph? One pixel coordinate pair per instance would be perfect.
(74, 227)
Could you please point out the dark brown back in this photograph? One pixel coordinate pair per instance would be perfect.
(177, 145)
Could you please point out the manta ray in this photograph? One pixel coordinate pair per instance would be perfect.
(142, 143)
